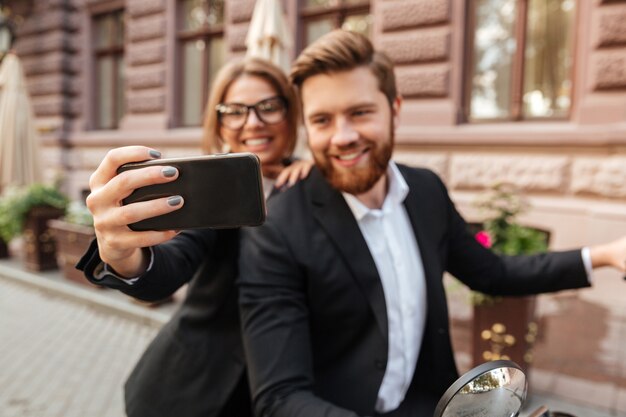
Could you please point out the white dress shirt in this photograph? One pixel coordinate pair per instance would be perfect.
(391, 241)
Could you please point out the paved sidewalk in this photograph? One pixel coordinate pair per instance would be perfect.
(67, 350)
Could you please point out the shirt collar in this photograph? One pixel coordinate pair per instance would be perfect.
(396, 194)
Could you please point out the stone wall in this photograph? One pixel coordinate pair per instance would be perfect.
(46, 42)
(145, 52)
(581, 158)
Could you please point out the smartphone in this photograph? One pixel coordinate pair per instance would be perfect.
(220, 191)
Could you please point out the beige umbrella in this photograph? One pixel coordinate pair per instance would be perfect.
(19, 156)
(268, 36)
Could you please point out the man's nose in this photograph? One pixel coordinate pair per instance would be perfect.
(345, 134)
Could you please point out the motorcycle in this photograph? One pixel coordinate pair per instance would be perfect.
(492, 389)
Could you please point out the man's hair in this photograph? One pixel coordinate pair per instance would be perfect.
(342, 50)
(211, 141)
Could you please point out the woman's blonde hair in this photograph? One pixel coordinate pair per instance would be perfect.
(211, 141)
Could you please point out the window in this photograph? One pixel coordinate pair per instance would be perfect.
(109, 67)
(520, 63)
(201, 54)
(322, 16)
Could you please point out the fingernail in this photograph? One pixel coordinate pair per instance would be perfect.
(175, 200)
(169, 172)
(155, 154)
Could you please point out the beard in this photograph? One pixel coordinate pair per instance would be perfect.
(358, 180)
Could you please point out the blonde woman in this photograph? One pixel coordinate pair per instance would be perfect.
(195, 365)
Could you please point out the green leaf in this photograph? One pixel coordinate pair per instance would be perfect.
(15, 203)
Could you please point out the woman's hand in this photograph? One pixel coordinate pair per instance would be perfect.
(293, 173)
(119, 246)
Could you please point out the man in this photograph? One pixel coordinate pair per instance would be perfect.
(343, 306)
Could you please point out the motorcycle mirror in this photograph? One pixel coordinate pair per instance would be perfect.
(494, 389)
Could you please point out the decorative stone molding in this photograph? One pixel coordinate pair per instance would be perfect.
(237, 37)
(425, 45)
(600, 176)
(146, 103)
(87, 158)
(55, 41)
(142, 79)
(410, 14)
(610, 70)
(50, 63)
(44, 22)
(142, 53)
(529, 172)
(144, 7)
(612, 28)
(63, 4)
(146, 28)
(437, 162)
(54, 84)
(423, 82)
(240, 10)
(57, 106)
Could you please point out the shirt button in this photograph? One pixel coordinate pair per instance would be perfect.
(441, 330)
(380, 364)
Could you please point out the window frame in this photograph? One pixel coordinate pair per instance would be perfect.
(517, 71)
(116, 52)
(340, 12)
(204, 33)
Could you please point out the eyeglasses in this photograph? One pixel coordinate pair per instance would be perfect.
(234, 115)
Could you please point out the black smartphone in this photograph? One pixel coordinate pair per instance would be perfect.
(220, 191)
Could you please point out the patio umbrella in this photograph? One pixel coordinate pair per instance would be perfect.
(268, 35)
(19, 157)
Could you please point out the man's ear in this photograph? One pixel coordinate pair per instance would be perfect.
(395, 110)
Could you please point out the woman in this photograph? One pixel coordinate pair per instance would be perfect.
(195, 365)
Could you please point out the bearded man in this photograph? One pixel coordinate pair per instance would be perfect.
(343, 307)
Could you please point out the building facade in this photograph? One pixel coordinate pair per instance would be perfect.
(493, 89)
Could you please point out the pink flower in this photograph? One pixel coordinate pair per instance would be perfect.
(484, 238)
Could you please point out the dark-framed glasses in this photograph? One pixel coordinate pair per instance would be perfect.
(234, 115)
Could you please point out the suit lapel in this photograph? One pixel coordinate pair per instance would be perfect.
(332, 212)
(418, 216)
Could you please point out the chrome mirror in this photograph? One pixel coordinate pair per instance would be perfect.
(493, 389)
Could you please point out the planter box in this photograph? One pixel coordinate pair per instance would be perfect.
(4, 249)
(72, 241)
(39, 246)
(505, 330)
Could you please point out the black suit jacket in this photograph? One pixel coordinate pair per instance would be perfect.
(313, 309)
(195, 365)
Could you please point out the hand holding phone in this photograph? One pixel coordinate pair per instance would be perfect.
(220, 191)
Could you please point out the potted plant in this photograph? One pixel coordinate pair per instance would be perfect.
(4, 249)
(5, 236)
(505, 327)
(73, 233)
(26, 211)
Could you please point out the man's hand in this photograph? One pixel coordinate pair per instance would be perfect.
(610, 254)
(119, 246)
